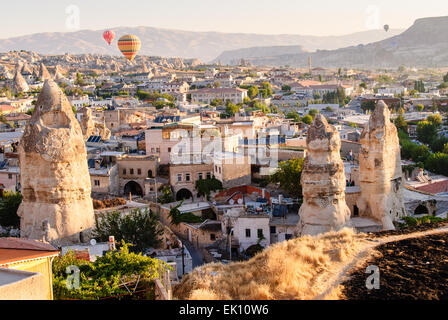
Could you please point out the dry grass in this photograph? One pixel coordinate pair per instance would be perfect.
(299, 269)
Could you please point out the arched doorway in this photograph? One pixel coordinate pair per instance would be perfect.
(421, 210)
(150, 175)
(355, 211)
(133, 188)
(184, 194)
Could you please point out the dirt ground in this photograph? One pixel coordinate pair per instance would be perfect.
(412, 269)
(408, 230)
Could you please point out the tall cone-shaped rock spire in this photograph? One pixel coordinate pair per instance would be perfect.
(19, 84)
(381, 176)
(55, 182)
(43, 73)
(323, 182)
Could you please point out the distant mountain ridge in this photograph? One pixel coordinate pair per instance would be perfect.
(424, 44)
(176, 43)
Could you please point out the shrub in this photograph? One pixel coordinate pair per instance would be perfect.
(104, 278)
(141, 228)
(9, 205)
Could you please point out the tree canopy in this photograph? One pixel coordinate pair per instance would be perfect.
(288, 176)
(140, 228)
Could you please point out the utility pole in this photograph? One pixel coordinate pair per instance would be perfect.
(183, 257)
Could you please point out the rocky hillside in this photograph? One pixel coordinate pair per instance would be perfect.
(176, 43)
(423, 45)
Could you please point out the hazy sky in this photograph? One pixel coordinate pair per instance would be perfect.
(305, 17)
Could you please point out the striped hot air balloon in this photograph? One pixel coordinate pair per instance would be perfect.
(109, 36)
(129, 45)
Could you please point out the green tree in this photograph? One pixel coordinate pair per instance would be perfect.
(288, 176)
(286, 87)
(293, 115)
(166, 196)
(445, 78)
(216, 102)
(140, 227)
(204, 187)
(313, 112)
(420, 107)
(79, 80)
(9, 205)
(231, 108)
(401, 123)
(426, 131)
(253, 92)
(266, 89)
(307, 119)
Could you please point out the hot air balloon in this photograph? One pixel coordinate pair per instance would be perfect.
(129, 45)
(109, 36)
(386, 27)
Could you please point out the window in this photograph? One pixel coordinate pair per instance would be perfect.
(219, 170)
(169, 149)
(97, 183)
(247, 233)
(10, 176)
(209, 175)
(152, 150)
(131, 171)
(158, 150)
(260, 233)
(288, 236)
(124, 171)
(216, 168)
(212, 237)
(200, 176)
(139, 172)
(187, 177)
(273, 230)
(179, 177)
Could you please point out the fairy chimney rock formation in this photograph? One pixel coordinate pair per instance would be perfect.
(90, 127)
(19, 83)
(87, 124)
(57, 205)
(381, 177)
(323, 182)
(43, 73)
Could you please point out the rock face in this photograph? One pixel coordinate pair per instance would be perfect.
(57, 206)
(87, 124)
(43, 73)
(323, 182)
(381, 177)
(91, 128)
(19, 83)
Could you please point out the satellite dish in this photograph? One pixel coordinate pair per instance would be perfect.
(240, 201)
(232, 201)
(93, 242)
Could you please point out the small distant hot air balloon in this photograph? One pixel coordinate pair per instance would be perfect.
(129, 45)
(109, 36)
(386, 27)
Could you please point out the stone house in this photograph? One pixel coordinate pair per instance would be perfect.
(183, 178)
(133, 171)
